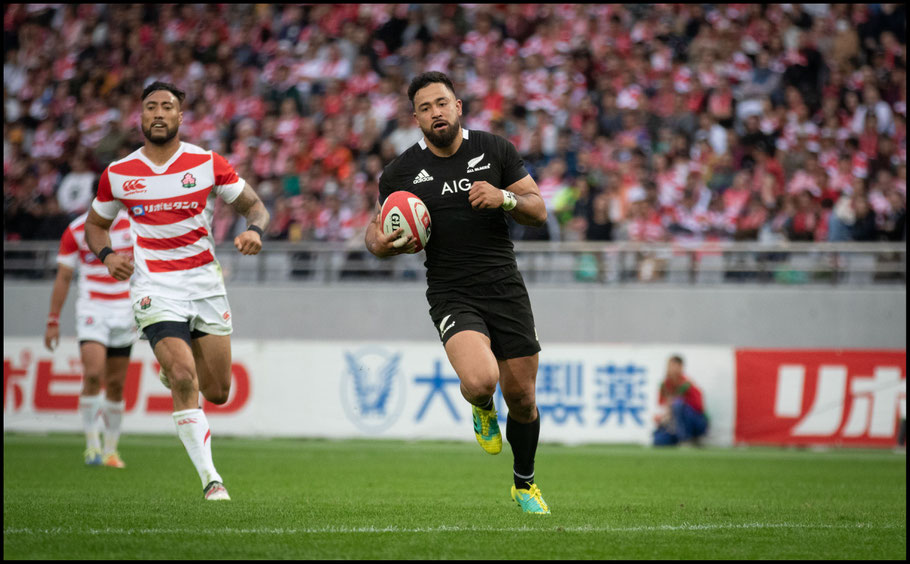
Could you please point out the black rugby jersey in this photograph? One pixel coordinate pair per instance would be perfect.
(466, 246)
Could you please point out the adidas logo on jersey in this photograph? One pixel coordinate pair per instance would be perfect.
(424, 176)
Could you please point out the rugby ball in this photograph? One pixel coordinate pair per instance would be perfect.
(404, 210)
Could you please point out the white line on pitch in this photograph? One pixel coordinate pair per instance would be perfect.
(440, 529)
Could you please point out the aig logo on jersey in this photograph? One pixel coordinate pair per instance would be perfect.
(463, 184)
(472, 164)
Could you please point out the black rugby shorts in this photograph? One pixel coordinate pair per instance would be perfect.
(500, 310)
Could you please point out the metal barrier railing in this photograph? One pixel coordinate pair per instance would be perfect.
(547, 262)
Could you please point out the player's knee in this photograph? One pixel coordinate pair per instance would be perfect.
(521, 403)
(217, 394)
(480, 385)
(217, 390)
(91, 381)
(219, 399)
(114, 388)
(182, 378)
(478, 390)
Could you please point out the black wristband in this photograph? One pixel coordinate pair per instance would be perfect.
(255, 228)
(104, 252)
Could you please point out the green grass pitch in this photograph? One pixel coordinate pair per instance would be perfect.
(314, 499)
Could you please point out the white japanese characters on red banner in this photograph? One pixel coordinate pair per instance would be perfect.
(820, 397)
(585, 393)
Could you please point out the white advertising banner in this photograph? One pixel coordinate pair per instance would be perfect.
(382, 389)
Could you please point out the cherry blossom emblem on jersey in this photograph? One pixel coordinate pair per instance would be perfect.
(188, 181)
(145, 302)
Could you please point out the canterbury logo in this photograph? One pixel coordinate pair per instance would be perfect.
(133, 185)
(424, 176)
(474, 161)
(442, 331)
(187, 421)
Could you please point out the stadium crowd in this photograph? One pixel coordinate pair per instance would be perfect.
(672, 122)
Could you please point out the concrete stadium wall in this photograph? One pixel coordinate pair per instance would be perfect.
(785, 317)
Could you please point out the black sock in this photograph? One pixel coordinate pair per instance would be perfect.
(523, 439)
(488, 406)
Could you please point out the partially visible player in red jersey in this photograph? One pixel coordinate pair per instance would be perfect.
(169, 187)
(106, 332)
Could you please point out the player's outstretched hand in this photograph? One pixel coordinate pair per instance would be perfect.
(484, 195)
(389, 245)
(119, 266)
(248, 243)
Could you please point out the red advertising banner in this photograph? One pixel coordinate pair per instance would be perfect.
(31, 383)
(820, 397)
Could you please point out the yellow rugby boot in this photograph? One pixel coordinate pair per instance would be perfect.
(486, 429)
(530, 500)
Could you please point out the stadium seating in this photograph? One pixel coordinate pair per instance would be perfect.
(308, 103)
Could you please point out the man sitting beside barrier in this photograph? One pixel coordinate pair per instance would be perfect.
(682, 418)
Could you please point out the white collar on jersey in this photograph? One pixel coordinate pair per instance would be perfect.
(423, 142)
(162, 168)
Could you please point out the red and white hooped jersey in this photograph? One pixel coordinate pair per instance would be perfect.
(96, 285)
(170, 209)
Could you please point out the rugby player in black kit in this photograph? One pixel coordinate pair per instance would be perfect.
(479, 305)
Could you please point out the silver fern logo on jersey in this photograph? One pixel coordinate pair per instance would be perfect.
(443, 328)
(472, 164)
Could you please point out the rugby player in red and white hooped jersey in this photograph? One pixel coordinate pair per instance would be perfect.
(169, 187)
(106, 332)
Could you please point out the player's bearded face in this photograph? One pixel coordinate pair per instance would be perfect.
(442, 135)
(159, 132)
(161, 117)
(437, 113)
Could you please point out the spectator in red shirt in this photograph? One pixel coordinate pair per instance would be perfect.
(683, 420)
(801, 226)
(751, 219)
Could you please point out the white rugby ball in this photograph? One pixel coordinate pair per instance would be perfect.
(404, 210)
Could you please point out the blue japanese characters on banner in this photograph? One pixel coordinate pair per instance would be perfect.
(439, 384)
(621, 394)
(568, 392)
(565, 391)
(561, 391)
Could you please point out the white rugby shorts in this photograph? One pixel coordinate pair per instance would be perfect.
(210, 315)
(113, 328)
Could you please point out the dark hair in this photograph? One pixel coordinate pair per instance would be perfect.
(426, 78)
(158, 85)
(677, 358)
